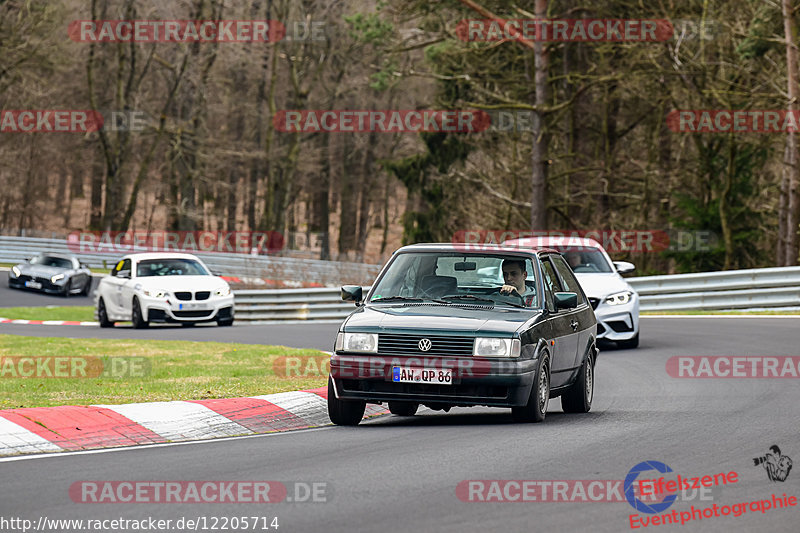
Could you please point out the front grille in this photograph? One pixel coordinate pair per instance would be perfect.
(594, 302)
(191, 314)
(202, 295)
(183, 296)
(441, 345)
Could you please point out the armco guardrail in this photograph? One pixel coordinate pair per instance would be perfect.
(734, 289)
(281, 269)
(773, 288)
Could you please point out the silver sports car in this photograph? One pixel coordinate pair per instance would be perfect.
(52, 273)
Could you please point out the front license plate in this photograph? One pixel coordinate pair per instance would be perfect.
(192, 306)
(33, 284)
(438, 376)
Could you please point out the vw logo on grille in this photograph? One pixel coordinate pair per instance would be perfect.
(424, 345)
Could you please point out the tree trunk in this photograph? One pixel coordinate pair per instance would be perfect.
(790, 161)
(539, 158)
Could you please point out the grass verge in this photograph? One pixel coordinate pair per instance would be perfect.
(172, 370)
(79, 313)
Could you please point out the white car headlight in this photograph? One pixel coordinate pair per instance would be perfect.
(357, 342)
(15, 272)
(224, 291)
(57, 277)
(495, 347)
(619, 298)
(155, 293)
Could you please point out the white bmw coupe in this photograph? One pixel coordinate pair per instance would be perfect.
(163, 287)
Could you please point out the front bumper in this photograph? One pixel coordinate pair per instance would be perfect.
(46, 285)
(170, 310)
(476, 381)
(618, 322)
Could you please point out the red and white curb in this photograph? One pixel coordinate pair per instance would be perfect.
(48, 322)
(72, 428)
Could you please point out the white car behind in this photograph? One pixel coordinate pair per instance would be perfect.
(614, 300)
(163, 287)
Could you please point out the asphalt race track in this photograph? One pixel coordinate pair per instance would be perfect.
(401, 474)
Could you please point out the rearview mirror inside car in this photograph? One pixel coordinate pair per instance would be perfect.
(352, 293)
(464, 266)
(566, 300)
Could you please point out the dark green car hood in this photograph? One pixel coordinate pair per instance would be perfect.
(439, 319)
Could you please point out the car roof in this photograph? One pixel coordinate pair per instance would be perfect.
(160, 255)
(474, 248)
(554, 241)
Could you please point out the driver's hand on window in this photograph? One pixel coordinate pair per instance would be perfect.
(508, 289)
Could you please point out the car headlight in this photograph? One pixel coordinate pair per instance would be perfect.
(155, 293)
(224, 291)
(619, 298)
(496, 347)
(15, 272)
(57, 277)
(357, 342)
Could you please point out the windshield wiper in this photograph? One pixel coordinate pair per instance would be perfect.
(407, 299)
(478, 298)
(395, 299)
(468, 297)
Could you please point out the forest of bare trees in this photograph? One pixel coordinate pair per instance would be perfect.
(599, 153)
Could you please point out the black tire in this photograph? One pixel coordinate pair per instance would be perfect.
(630, 343)
(344, 412)
(578, 398)
(536, 408)
(188, 324)
(102, 315)
(136, 316)
(87, 287)
(67, 288)
(403, 408)
(225, 323)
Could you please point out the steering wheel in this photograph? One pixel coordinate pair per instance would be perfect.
(512, 295)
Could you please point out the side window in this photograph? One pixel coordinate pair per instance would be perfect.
(570, 282)
(551, 285)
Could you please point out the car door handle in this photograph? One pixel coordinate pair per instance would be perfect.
(574, 325)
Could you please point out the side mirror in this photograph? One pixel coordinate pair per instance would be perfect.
(216, 273)
(113, 272)
(623, 267)
(566, 300)
(125, 274)
(352, 293)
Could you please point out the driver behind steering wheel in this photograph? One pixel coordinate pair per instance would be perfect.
(514, 276)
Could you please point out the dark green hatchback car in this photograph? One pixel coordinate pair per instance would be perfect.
(445, 325)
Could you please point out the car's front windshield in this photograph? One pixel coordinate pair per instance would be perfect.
(585, 259)
(458, 278)
(170, 267)
(48, 260)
